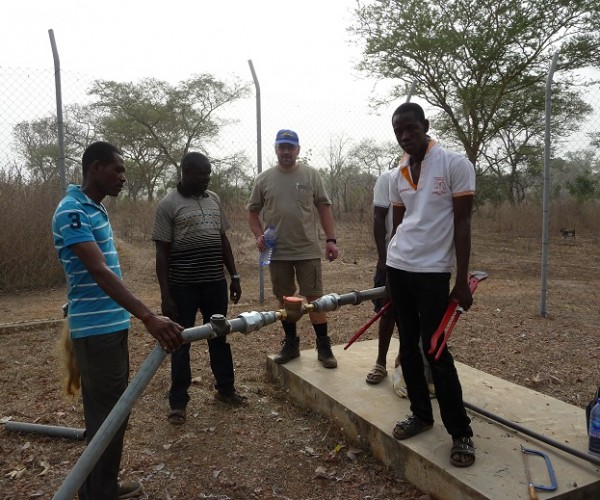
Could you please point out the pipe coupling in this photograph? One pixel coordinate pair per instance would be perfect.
(329, 302)
(220, 325)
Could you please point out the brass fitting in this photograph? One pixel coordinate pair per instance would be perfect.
(294, 309)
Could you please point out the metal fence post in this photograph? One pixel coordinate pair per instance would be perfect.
(546, 195)
(261, 270)
(59, 116)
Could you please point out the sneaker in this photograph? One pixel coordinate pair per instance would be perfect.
(129, 489)
(233, 398)
(290, 349)
(325, 355)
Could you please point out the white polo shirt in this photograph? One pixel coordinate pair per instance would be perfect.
(424, 242)
(381, 198)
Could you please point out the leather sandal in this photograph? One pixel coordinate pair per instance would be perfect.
(410, 427)
(233, 398)
(176, 416)
(377, 374)
(463, 452)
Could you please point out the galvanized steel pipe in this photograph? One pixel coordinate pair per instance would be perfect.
(245, 323)
(332, 301)
(540, 437)
(218, 326)
(48, 430)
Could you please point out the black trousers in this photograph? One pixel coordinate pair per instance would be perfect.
(104, 365)
(209, 299)
(420, 301)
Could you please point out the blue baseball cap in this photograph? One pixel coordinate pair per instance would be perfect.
(285, 136)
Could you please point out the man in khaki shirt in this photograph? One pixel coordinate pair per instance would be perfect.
(291, 196)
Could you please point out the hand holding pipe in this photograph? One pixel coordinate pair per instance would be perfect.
(244, 323)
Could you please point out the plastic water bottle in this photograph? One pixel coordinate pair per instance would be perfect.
(594, 429)
(264, 257)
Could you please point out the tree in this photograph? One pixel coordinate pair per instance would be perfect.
(338, 172)
(36, 143)
(374, 158)
(157, 123)
(578, 173)
(584, 187)
(477, 61)
(147, 167)
(231, 179)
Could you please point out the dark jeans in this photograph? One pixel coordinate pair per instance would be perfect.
(420, 301)
(104, 365)
(209, 299)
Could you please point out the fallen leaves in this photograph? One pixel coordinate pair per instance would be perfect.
(322, 473)
(45, 468)
(17, 472)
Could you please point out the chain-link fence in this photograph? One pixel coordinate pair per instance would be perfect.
(335, 136)
(324, 127)
(351, 143)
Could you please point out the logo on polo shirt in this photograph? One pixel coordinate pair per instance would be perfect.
(439, 186)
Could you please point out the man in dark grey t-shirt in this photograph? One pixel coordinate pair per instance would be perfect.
(191, 251)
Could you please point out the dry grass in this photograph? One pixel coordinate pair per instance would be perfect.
(27, 256)
(272, 448)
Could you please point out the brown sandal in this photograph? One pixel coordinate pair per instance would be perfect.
(377, 374)
(177, 416)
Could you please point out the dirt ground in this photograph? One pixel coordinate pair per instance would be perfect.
(273, 448)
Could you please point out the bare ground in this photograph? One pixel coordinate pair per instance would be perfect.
(273, 448)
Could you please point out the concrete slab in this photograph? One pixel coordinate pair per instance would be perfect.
(368, 414)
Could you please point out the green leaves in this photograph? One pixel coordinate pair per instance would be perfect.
(484, 65)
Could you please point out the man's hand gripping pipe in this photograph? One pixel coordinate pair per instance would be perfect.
(451, 317)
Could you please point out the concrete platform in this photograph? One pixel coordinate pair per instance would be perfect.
(368, 414)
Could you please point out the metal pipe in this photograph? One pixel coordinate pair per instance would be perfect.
(332, 301)
(59, 116)
(540, 437)
(258, 119)
(261, 269)
(411, 91)
(245, 323)
(218, 326)
(547, 187)
(48, 430)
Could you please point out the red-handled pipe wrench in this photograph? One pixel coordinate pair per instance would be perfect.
(451, 317)
(366, 326)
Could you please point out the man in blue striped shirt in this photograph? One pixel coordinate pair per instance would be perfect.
(100, 306)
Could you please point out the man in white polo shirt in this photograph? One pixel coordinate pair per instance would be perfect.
(431, 193)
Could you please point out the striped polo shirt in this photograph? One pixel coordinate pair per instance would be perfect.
(193, 225)
(79, 219)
